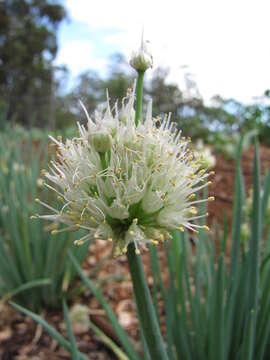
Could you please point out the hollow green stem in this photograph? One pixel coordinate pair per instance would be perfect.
(139, 95)
(147, 315)
(145, 307)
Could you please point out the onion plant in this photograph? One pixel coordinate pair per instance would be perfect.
(137, 185)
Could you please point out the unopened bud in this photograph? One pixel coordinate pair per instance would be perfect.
(141, 60)
(101, 141)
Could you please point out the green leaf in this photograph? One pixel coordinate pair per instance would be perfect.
(145, 306)
(247, 350)
(74, 349)
(24, 287)
(50, 330)
(265, 199)
(254, 252)
(123, 338)
(108, 342)
(217, 315)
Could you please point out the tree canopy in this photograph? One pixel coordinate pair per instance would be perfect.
(28, 45)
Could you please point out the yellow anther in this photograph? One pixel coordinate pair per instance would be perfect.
(59, 198)
(196, 231)
(96, 236)
(37, 200)
(77, 225)
(206, 228)
(192, 197)
(54, 232)
(131, 232)
(92, 218)
(78, 242)
(137, 251)
(161, 237)
(154, 242)
(43, 172)
(135, 221)
(193, 211)
(191, 176)
(124, 251)
(181, 229)
(110, 239)
(211, 198)
(209, 183)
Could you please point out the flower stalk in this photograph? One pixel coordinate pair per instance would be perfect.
(143, 299)
(139, 95)
(145, 307)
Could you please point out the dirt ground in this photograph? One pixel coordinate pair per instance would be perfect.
(21, 338)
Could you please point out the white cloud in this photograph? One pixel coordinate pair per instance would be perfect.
(79, 56)
(225, 43)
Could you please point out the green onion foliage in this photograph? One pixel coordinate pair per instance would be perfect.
(34, 268)
(217, 302)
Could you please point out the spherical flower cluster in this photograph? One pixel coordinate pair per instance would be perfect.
(126, 184)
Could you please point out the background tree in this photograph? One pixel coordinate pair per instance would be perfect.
(27, 48)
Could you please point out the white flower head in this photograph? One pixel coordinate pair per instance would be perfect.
(142, 59)
(126, 184)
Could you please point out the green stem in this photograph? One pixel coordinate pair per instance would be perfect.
(146, 311)
(139, 95)
(145, 306)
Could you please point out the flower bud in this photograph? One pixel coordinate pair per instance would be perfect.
(79, 316)
(141, 60)
(104, 231)
(153, 233)
(245, 231)
(152, 201)
(134, 232)
(101, 141)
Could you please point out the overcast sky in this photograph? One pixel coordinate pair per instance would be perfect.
(225, 44)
